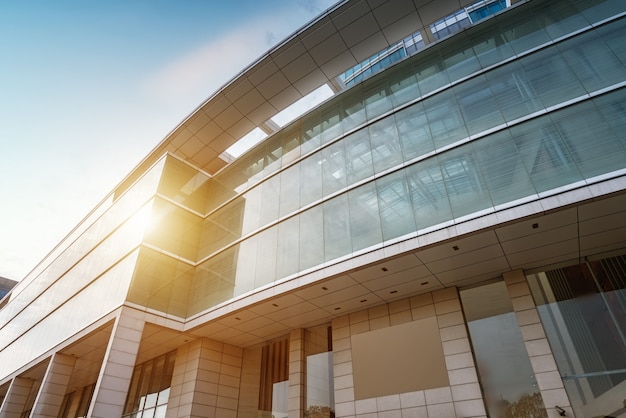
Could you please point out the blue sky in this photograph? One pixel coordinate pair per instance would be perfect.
(88, 88)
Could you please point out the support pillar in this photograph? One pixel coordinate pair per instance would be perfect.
(117, 367)
(205, 381)
(50, 397)
(16, 397)
(539, 351)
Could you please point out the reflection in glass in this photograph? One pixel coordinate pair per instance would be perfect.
(274, 384)
(320, 396)
(506, 374)
(583, 310)
(150, 387)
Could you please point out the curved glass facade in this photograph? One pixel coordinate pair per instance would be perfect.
(505, 112)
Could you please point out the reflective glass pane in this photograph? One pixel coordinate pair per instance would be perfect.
(595, 65)
(311, 179)
(270, 190)
(577, 125)
(246, 265)
(429, 71)
(614, 34)
(331, 122)
(266, 257)
(386, 150)
(515, 95)
(551, 78)
(394, 201)
(414, 132)
(359, 165)
(464, 182)
(311, 237)
(583, 311)
(320, 397)
(288, 248)
(251, 210)
(478, 105)
(403, 85)
(444, 116)
(502, 168)
(489, 45)
(365, 226)
(459, 59)
(289, 190)
(353, 109)
(545, 154)
(337, 237)
(377, 99)
(428, 194)
(613, 108)
(506, 375)
(333, 166)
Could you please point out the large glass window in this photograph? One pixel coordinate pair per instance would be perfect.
(506, 375)
(76, 404)
(320, 394)
(583, 310)
(150, 388)
(274, 385)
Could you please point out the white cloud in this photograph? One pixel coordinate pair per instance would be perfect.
(202, 71)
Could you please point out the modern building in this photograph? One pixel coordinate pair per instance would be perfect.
(445, 237)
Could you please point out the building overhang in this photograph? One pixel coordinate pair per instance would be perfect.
(316, 54)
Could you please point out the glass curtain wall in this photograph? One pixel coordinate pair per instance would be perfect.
(509, 110)
(583, 310)
(274, 384)
(150, 388)
(506, 375)
(76, 404)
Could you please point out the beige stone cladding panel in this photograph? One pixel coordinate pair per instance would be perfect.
(206, 380)
(118, 365)
(16, 397)
(539, 351)
(54, 386)
(459, 397)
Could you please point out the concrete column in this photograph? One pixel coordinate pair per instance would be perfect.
(464, 387)
(206, 380)
(296, 374)
(117, 367)
(16, 397)
(539, 351)
(50, 397)
(345, 404)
